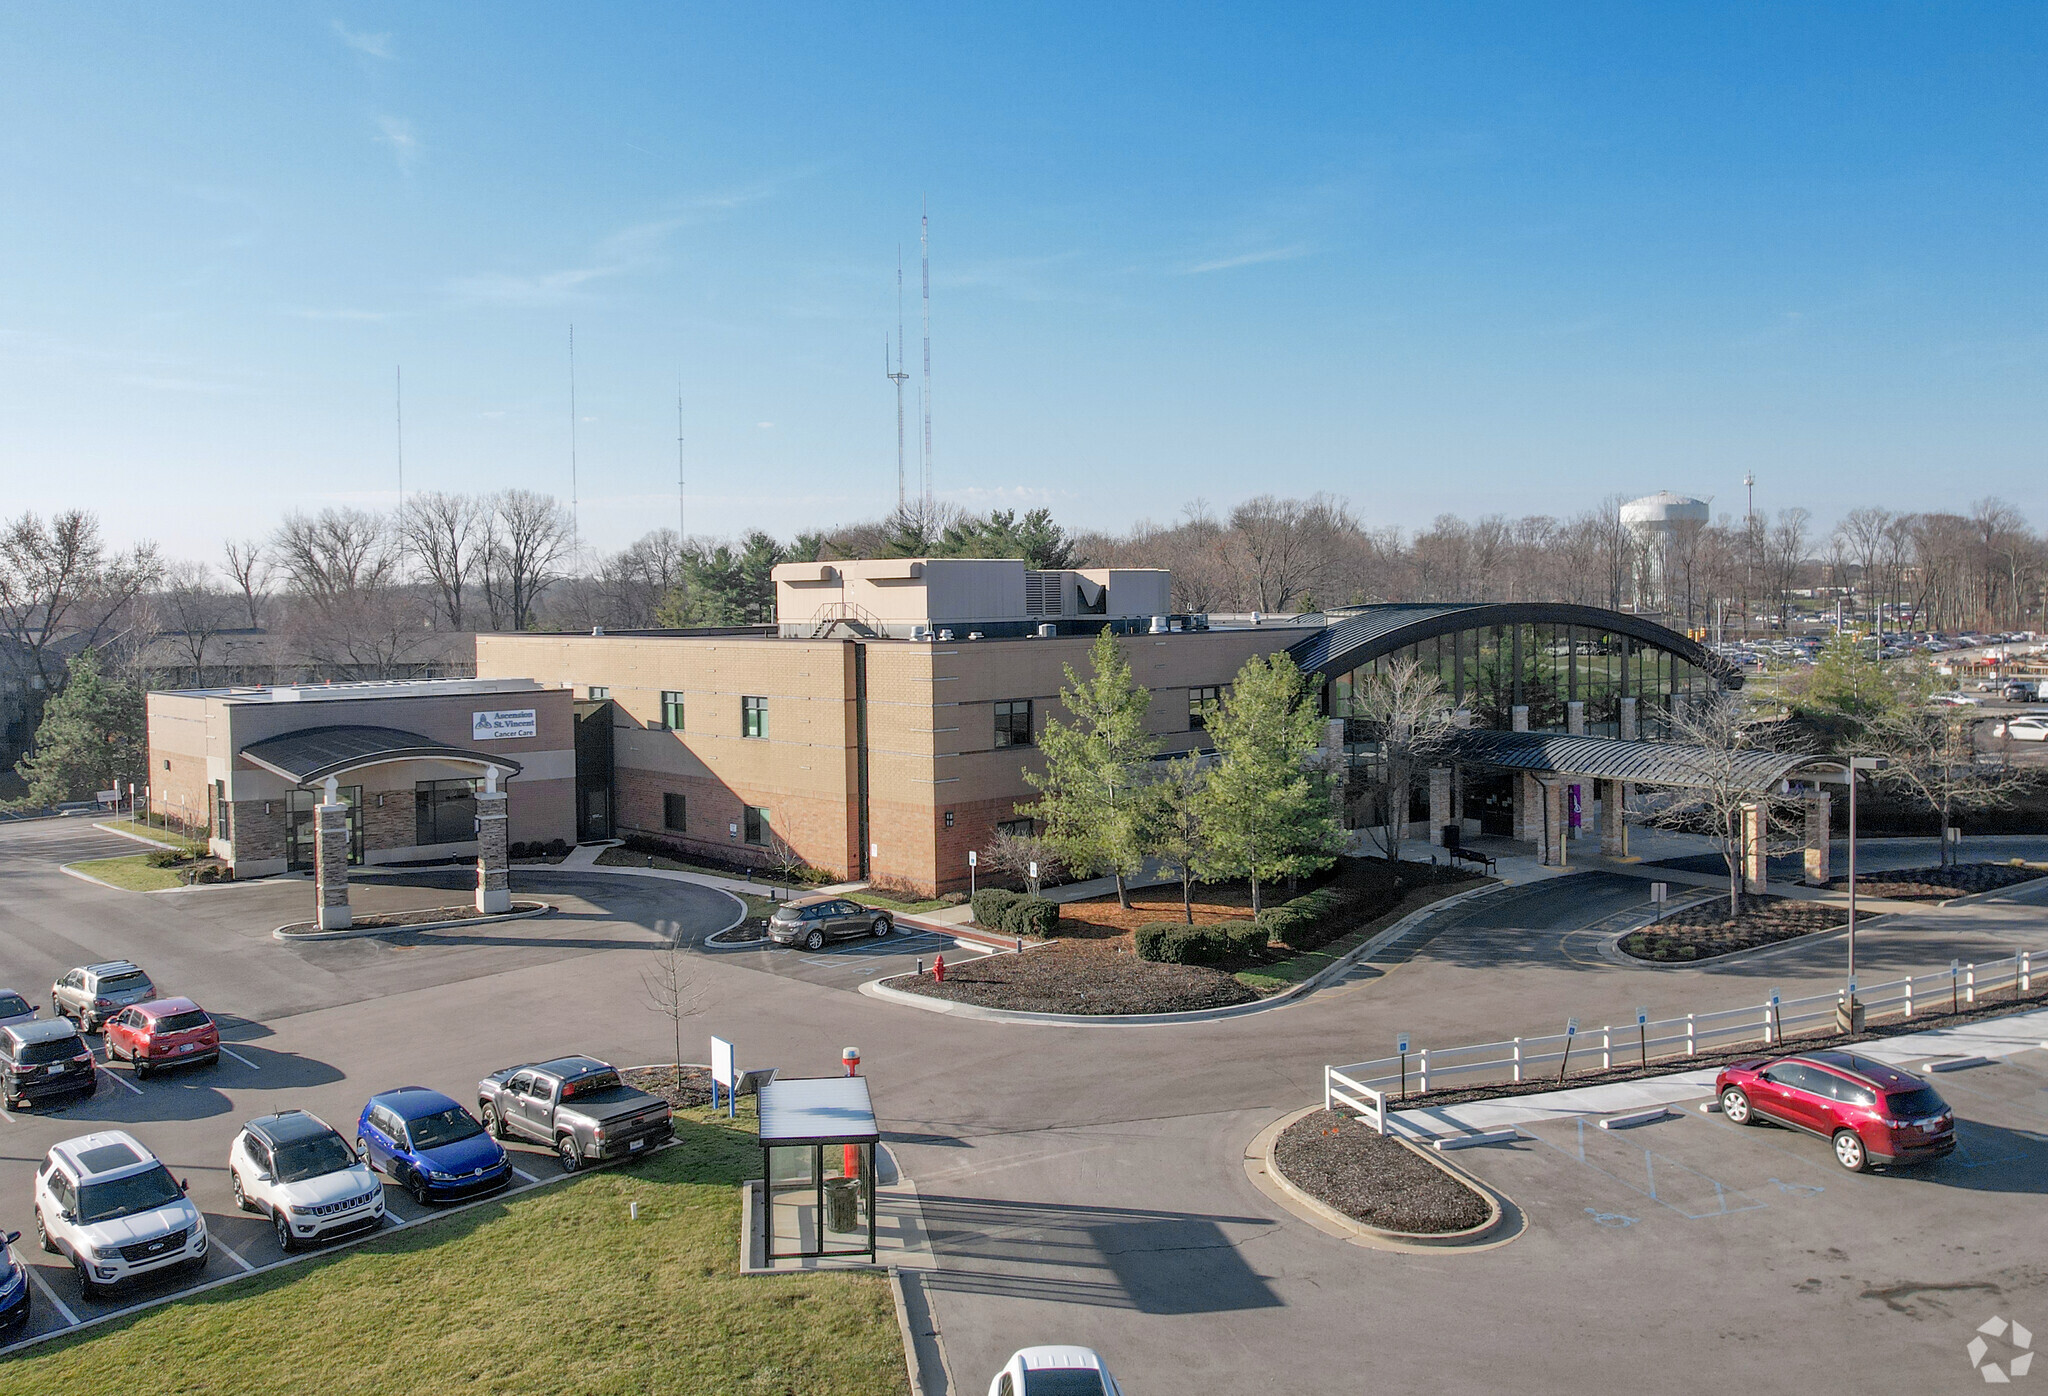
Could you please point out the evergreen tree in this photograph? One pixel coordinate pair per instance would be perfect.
(1092, 798)
(93, 733)
(1266, 809)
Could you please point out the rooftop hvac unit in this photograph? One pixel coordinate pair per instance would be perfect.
(1198, 622)
(1047, 631)
(1159, 626)
(917, 632)
(974, 634)
(945, 634)
(1256, 617)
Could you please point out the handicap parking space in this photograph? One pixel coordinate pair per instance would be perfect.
(846, 964)
(1694, 1174)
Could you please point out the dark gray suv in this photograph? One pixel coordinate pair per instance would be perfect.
(812, 921)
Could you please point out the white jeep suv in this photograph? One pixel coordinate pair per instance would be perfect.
(112, 1207)
(296, 1168)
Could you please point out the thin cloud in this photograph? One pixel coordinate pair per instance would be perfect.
(397, 132)
(635, 247)
(1291, 252)
(369, 45)
(340, 316)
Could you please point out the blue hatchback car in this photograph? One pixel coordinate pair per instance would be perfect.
(13, 1289)
(430, 1146)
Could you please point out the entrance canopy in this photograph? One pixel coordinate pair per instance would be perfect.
(1641, 763)
(818, 1110)
(304, 758)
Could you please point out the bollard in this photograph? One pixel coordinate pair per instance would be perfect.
(1606, 1048)
(850, 1059)
(633, 1211)
(1970, 985)
(939, 968)
(1909, 996)
(1518, 1060)
(1691, 1043)
(2026, 971)
(1424, 1078)
(920, 966)
(1020, 945)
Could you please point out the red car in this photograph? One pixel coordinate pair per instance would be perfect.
(1872, 1113)
(166, 1032)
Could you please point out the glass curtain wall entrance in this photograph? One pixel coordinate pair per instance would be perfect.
(299, 838)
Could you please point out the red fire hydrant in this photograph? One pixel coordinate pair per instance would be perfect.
(939, 968)
(850, 1059)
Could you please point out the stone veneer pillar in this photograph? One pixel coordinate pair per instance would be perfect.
(1575, 718)
(1613, 819)
(330, 863)
(1628, 719)
(1518, 717)
(1440, 806)
(1817, 869)
(1555, 835)
(493, 865)
(1755, 853)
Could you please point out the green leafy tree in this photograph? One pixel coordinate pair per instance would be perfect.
(92, 733)
(1849, 689)
(1265, 808)
(1176, 833)
(1092, 798)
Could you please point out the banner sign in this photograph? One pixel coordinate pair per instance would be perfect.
(486, 727)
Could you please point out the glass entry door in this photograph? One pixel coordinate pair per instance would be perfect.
(299, 846)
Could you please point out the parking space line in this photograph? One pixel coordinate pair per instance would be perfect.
(70, 1319)
(526, 1175)
(121, 1081)
(240, 1058)
(232, 1254)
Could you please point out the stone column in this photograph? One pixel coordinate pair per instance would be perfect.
(1555, 836)
(1628, 719)
(1528, 807)
(1817, 870)
(1440, 810)
(1462, 719)
(1755, 854)
(1613, 819)
(1518, 717)
(1575, 718)
(493, 867)
(330, 862)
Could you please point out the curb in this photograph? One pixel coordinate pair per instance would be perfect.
(164, 842)
(288, 933)
(1971, 899)
(1267, 1178)
(879, 988)
(1611, 946)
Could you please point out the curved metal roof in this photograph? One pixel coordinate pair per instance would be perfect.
(319, 752)
(1643, 763)
(1360, 638)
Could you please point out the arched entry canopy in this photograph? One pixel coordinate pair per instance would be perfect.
(1543, 656)
(1670, 764)
(311, 756)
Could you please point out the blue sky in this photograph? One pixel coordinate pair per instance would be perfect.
(1463, 257)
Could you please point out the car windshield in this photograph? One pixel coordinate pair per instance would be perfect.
(1062, 1381)
(313, 1158)
(1916, 1104)
(63, 1049)
(13, 1006)
(450, 1126)
(116, 985)
(124, 1197)
(182, 1022)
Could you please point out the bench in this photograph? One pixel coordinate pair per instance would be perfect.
(1470, 855)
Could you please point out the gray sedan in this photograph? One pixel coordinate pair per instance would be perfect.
(15, 1009)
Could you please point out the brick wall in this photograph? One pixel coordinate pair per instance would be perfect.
(814, 827)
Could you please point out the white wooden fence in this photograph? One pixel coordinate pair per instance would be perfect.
(1363, 1087)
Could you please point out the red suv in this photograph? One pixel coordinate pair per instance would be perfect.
(1871, 1112)
(167, 1032)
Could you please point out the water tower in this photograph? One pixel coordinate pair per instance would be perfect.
(1654, 521)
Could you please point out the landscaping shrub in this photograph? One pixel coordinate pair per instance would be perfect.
(1311, 920)
(213, 872)
(991, 904)
(172, 857)
(1176, 943)
(1245, 940)
(558, 848)
(1033, 916)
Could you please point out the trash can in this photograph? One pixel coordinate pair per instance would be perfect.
(842, 1204)
(1452, 834)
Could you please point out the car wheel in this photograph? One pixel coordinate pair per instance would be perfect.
(241, 1198)
(43, 1234)
(86, 1288)
(1735, 1107)
(417, 1186)
(284, 1231)
(815, 941)
(363, 1153)
(1849, 1151)
(881, 927)
(494, 1125)
(139, 1067)
(569, 1152)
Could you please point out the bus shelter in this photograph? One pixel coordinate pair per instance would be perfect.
(818, 1139)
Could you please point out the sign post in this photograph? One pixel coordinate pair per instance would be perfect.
(1571, 1030)
(1643, 1035)
(1401, 1047)
(971, 860)
(722, 1074)
(1660, 893)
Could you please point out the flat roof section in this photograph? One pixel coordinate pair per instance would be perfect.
(818, 1110)
(369, 688)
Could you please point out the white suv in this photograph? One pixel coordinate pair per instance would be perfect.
(296, 1168)
(114, 1209)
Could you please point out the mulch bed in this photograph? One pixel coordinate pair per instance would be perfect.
(1081, 975)
(1705, 929)
(1373, 1178)
(661, 1080)
(465, 912)
(1938, 884)
(751, 931)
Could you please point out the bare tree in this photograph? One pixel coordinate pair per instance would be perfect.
(447, 535)
(1407, 714)
(531, 537)
(1009, 855)
(1931, 758)
(335, 553)
(671, 987)
(61, 588)
(1723, 739)
(248, 566)
(191, 612)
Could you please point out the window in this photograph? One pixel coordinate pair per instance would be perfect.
(672, 711)
(949, 819)
(599, 691)
(754, 718)
(1013, 722)
(757, 825)
(444, 811)
(674, 811)
(222, 827)
(1016, 828)
(1201, 702)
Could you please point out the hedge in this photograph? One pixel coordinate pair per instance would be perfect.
(990, 905)
(1014, 913)
(1176, 943)
(1311, 920)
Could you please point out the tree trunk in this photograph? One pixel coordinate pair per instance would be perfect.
(1123, 891)
(1187, 894)
(1255, 893)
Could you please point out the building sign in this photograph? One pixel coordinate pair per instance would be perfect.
(485, 727)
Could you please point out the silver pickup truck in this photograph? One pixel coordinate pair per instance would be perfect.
(578, 1105)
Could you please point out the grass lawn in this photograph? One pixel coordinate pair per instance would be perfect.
(867, 896)
(626, 858)
(132, 872)
(169, 838)
(555, 1291)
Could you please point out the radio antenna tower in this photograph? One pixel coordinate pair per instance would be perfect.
(680, 515)
(924, 243)
(398, 417)
(898, 376)
(1749, 513)
(575, 527)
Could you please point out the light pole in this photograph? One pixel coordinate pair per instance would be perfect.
(1856, 763)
